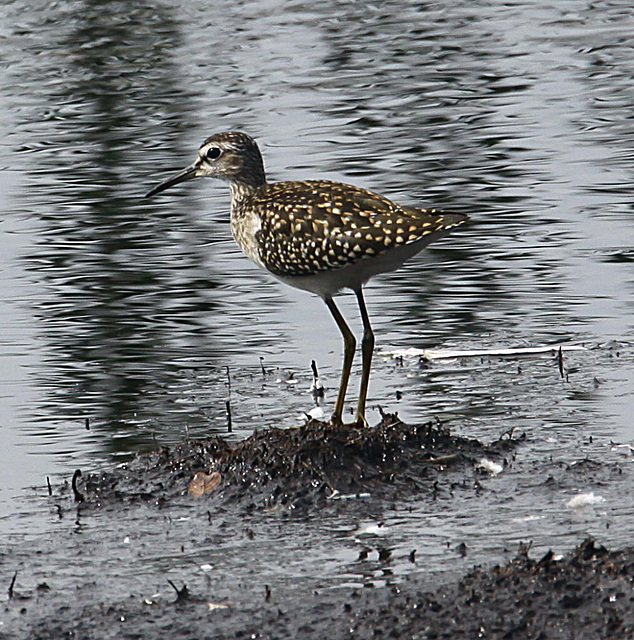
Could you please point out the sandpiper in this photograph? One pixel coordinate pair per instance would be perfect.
(317, 235)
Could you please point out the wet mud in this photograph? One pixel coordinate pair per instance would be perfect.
(300, 468)
(304, 473)
(587, 595)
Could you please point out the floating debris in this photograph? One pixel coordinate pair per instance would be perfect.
(529, 518)
(335, 495)
(584, 500)
(489, 466)
(316, 413)
(372, 529)
(625, 449)
(439, 354)
(291, 380)
(203, 483)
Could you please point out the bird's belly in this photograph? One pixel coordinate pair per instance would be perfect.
(353, 276)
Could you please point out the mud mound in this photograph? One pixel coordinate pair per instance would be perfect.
(297, 467)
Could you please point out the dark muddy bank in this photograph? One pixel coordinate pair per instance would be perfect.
(298, 468)
(587, 595)
(274, 488)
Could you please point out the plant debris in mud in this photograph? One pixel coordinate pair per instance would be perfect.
(297, 467)
(587, 595)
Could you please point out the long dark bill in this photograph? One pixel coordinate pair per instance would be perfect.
(186, 174)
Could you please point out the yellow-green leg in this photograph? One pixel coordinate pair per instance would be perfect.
(367, 349)
(349, 345)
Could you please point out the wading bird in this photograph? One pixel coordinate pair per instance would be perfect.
(316, 235)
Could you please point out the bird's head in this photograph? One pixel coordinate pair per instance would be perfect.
(231, 156)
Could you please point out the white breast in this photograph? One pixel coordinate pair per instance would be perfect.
(244, 229)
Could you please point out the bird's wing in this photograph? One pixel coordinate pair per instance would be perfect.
(319, 225)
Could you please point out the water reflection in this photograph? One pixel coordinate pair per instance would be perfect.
(123, 282)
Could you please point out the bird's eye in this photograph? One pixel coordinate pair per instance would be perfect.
(213, 153)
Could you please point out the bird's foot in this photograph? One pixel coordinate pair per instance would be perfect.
(361, 422)
(335, 420)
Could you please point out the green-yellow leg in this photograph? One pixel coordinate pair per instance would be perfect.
(367, 348)
(349, 345)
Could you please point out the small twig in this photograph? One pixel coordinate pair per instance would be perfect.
(509, 433)
(228, 409)
(446, 459)
(317, 389)
(384, 554)
(229, 381)
(87, 424)
(181, 594)
(560, 362)
(15, 575)
(79, 496)
(48, 484)
(523, 548)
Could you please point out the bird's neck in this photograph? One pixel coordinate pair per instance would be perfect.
(240, 191)
(243, 188)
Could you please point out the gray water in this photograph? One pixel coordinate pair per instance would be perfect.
(131, 314)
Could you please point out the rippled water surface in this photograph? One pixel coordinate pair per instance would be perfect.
(130, 316)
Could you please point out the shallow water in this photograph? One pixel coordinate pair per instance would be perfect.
(126, 312)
